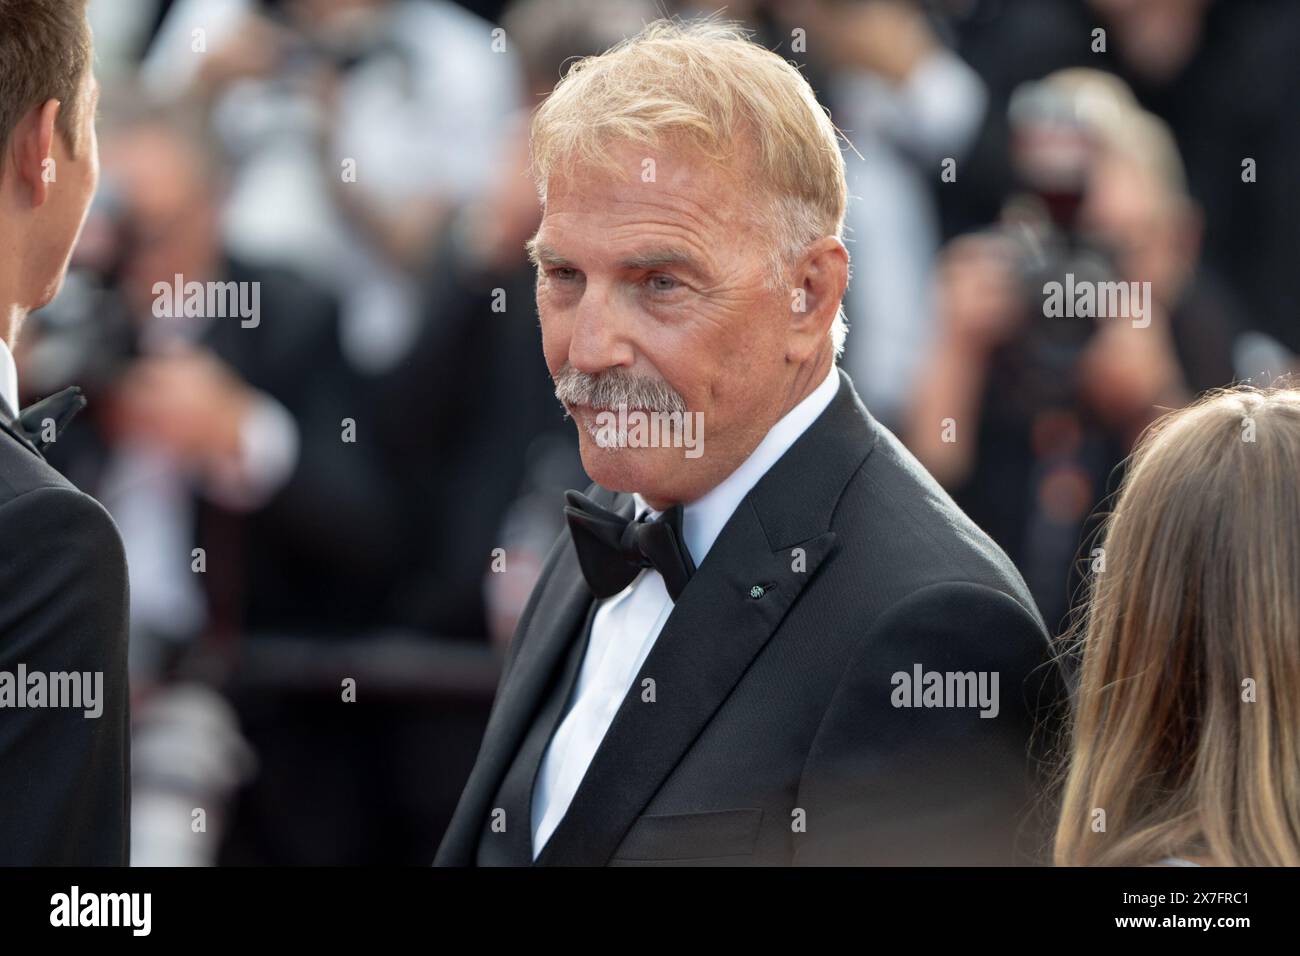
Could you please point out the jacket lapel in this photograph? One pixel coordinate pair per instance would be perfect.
(727, 613)
(560, 609)
(10, 426)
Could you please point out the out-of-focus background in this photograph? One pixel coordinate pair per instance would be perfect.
(335, 500)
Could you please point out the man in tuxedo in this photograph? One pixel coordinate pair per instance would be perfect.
(783, 644)
(64, 776)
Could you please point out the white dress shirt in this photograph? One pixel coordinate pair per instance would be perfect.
(8, 378)
(627, 624)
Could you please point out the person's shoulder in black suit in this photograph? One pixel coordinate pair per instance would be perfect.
(893, 502)
(919, 590)
(64, 776)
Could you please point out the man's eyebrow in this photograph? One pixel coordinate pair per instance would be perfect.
(541, 254)
(662, 258)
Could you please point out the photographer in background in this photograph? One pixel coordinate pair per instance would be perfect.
(1024, 413)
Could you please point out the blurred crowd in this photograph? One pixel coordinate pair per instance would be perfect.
(335, 502)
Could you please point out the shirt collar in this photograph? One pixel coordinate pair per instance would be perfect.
(704, 518)
(8, 379)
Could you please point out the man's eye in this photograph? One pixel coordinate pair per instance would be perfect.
(563, 273)
(659, 282)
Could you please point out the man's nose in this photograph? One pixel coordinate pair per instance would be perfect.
(600, 332)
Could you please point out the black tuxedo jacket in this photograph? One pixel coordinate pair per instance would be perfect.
(776, 735)
(64, 777)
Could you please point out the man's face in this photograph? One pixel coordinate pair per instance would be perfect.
(663, 282)
(60, 220)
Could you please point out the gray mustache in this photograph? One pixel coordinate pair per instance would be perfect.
(615, 388)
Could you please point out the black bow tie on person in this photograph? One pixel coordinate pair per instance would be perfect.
(612, 550)
(60, 408)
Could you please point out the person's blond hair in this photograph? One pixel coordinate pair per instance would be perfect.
(1186, 718)
(706, 84)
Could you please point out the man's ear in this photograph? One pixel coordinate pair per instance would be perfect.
(820, 278)
(30, 148)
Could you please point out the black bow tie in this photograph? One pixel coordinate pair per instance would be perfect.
(60, 408)
(612, 550)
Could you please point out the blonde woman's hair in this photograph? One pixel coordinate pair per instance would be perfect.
(706, 84)
(1185, 737)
